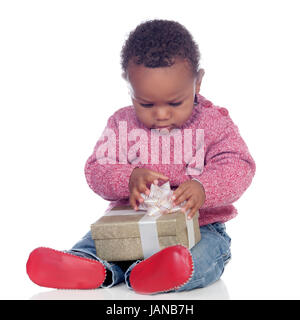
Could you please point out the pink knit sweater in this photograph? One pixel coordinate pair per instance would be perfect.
(226, 172)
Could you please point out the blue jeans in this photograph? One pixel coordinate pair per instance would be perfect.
(210, 256)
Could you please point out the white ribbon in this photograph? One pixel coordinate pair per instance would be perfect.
(149, 235)
(156, 204)
(159, 200)
(190, 230)
(147, 227)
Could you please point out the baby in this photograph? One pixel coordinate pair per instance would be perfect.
(160, 63)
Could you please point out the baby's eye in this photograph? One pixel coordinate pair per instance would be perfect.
(175, 104)
(146, 105)
(149, 105)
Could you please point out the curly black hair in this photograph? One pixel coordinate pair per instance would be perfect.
(156, 43)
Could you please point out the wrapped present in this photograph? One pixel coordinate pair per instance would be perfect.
(125, 234)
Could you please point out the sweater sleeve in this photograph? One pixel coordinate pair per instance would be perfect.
(228, 167)
(107, 174)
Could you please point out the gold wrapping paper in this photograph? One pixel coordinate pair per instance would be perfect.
(117, 237)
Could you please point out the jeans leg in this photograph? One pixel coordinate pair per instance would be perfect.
(86, 248)
(127, 274)
(210, 256)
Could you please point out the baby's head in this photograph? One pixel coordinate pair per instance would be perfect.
(160, 62)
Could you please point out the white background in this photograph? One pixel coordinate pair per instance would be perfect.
(60, 80)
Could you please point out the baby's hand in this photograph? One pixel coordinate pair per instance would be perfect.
(139, 180)
(193, 192)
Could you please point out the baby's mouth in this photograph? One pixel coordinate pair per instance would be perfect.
(164, 130)
(163, 127)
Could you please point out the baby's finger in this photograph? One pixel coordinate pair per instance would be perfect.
(153, 179)
(178, 192)
(158, 175)
(189, 205)
(134, 196)
(132, 202)
(181, 197)
(192, 212)
(143, 189)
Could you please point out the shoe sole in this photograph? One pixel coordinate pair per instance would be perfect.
(168, 269)
(55, 269)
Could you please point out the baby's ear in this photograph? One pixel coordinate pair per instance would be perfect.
(124, 75)
(200, 75)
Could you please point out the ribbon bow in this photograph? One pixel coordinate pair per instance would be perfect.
(159, 200)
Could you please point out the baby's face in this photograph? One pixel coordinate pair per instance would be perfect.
(163, 97)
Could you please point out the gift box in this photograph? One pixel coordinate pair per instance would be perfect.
(125, 234)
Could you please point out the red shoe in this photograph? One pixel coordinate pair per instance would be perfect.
(55, 269)
(166, 270)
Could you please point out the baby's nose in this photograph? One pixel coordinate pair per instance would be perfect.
(162, 114)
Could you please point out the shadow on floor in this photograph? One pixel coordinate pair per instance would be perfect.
(216, 291)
